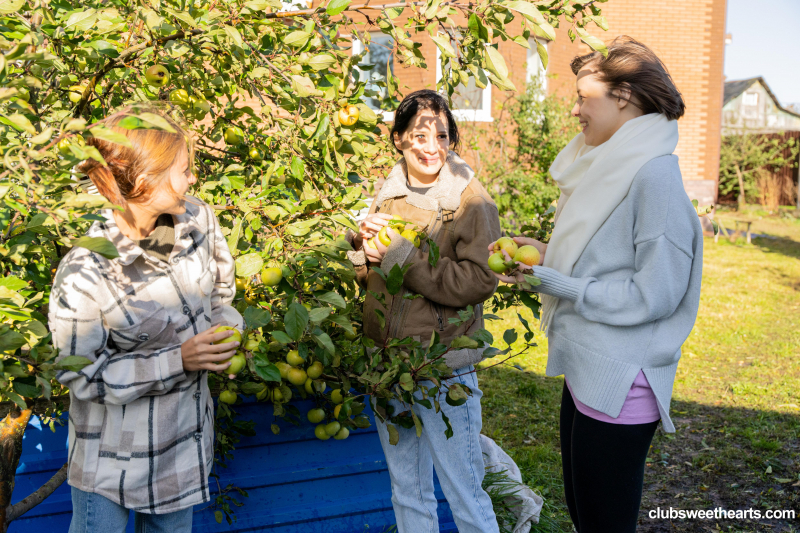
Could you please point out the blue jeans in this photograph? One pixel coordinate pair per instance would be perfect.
(458, 461)
(92, 513)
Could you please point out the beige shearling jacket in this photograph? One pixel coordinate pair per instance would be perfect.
(460, 216)
(141, 428)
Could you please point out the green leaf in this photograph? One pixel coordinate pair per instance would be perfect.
(477, 29)
(332, 298)
(406, 382)
(73, 363)
(318, 314)
(281, 337)
(13, 284)
(157, 121)
(337, 6)
(256, 317)
(510, 336)
(101, 132)
(433, 253)
(394, 436)
(20, 123)
(26, 390)
(10, 6)
(14, 397)
(100, 245)
(366, 115)
(443, 42)
(295, 321)
(322, 61)
(394, 282)
(218, 516)
(10, 341)
(591, 41)
(43, 137)
(248, 265)
(297, 39)
(527, 9)
(417, 423)
(81, 21)
(394, 12)
(463, 342)
(495, 62)
(236, 234)
(456, 396)
(542, 51)
(268, 372)
(533, 280)
(323, 340)
(234, 35)
(303, 86)
(297, 167)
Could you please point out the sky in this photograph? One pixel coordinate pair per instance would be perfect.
(764, 44)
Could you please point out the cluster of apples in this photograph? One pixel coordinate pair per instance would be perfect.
(527, 254)
(239, 359)
(401, 227)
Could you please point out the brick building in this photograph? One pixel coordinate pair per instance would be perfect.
(688, 36)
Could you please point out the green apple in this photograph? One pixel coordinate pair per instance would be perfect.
(157, 76)
(228, 396)
(238, 362)
(179, 97)
(233, 135)
(236, 337)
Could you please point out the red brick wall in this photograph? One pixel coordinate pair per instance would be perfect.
(688, 36)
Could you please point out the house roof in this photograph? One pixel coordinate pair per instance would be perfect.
(736, 87)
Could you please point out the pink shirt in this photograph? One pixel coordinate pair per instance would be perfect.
(640, 405)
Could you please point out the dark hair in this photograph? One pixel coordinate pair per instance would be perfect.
(633, 66)
(416, 102)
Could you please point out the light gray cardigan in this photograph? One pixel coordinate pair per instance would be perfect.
(633, 295)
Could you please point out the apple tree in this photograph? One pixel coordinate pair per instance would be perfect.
(285, 146)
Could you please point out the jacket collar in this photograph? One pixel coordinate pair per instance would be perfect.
(453, 179)
(127, 248)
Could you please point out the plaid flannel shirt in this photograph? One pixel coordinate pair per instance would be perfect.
(141, 429)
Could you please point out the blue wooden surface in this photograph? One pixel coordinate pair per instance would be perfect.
(296, 483)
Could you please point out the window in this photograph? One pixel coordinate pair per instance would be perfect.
(535, 66)
(470, 102)
(380, 54)
(750, 99)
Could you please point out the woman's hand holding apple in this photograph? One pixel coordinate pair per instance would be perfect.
(522, 268)
(375, 255)
(523, 241)
(370, 227)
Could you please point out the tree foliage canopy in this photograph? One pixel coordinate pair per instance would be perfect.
(261, 92)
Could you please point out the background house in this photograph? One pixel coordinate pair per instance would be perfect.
(688, 35)
(750, 105)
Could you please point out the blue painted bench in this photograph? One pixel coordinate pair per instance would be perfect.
(296, 483)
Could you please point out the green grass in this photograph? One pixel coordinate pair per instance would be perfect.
(736, 403)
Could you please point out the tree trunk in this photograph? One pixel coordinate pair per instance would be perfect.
(742, 200)
(12, 428)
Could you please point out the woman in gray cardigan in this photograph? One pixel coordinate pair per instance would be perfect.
(620, 280)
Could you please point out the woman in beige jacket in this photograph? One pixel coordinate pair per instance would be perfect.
(436, 190)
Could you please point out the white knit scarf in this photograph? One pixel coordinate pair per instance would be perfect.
(593, 182)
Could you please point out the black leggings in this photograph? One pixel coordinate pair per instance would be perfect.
(603, 467)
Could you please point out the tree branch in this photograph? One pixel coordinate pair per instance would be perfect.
(38, 405)
(38, 496)
(120, 60)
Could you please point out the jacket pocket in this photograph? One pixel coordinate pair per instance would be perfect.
(148, 330)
